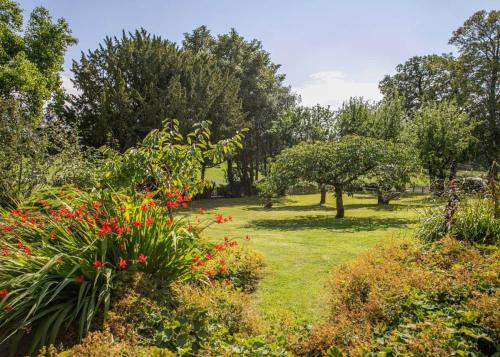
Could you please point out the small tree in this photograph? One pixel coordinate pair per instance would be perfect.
(393, 172)
(440, 133)
(337, 163)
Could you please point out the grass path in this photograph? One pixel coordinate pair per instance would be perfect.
(303, 242)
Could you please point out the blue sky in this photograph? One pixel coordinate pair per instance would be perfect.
(329, 49)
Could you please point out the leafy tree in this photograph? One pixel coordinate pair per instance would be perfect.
(33, 156)
(301, 123)
(130, 85)
(337, 163)
(262, 93)
(387, 119)
(353, 117)
(420, 80)
(440, 133)
(478, 42)
(393, 172)
(30, 62)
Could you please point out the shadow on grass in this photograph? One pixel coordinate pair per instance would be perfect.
(348, 224)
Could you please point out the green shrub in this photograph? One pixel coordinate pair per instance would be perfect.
(473, 222)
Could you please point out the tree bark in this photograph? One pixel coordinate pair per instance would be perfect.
(230, 175)
(453, 171)
(383, 200)
(322, 200)
(339, 203)
(203, 171)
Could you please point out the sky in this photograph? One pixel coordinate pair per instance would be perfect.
(329, 50)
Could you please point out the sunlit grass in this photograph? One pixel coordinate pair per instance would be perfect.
(302, 242)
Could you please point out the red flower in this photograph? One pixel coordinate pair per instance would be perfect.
(150, 221)
(193, 267)
(120, 231)
(144, 207)
(170, 204)
(105, 228)
(27, 251)
(223, 269)
(8, 228)
(97, 264)
(80, 279)
(218, 218)
(209, 272)
(5, 251)
(227, 281)
(170, 221)
(97, 205)
(122, 264)
(222, 261)
(233, 244)
(219, 247)
(226, 239)
(3, 293)
(20, 245)
(142, 258)
(137, 224)
(209, 256)
(184, 205)
(201, 210)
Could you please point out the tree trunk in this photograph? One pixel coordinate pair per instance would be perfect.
(322, 200)
(453, 171)
(383, 200)
(380, 199)
(230, 175)
(339, 203)
(203, 171)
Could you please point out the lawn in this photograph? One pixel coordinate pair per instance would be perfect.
(302, 242)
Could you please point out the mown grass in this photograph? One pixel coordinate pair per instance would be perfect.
(302, 242)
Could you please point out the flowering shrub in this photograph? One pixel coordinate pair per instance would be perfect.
(61, 252)
(166, 159)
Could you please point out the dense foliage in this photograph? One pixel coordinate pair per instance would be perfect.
(409, 298)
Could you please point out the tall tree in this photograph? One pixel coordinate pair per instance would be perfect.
(420, 80)
(353, 117)
(130, 85)
(478, 42)
(31, 61)
(262, 93)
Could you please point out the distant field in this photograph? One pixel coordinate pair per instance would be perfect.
(303, 242)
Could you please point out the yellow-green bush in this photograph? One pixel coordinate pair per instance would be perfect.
(413, 299)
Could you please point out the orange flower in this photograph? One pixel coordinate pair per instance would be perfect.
(150, 221)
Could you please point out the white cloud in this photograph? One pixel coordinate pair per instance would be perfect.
(67, 84)
(334, 87)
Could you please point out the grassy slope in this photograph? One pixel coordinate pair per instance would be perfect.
(302, 242)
